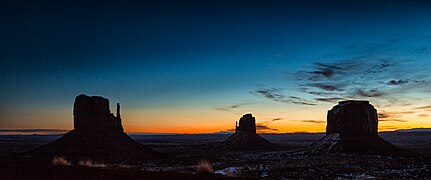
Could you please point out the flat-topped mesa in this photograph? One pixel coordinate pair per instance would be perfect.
(247, 123)
(352, 127)
(91, 114)
(352, 119)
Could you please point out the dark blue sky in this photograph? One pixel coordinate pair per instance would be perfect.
(183, 57)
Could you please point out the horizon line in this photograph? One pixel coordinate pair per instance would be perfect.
(40, 131)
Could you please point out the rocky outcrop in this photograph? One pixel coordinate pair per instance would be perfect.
(97, 135)
(245, 136)
(352, 119)
(352, 127)
(247, 123)
(92, 115)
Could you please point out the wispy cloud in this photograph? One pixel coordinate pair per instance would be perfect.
(393, 115)
(313, 121)
(326, 71)
(398, 82)
(265, 128)
(326, 87)
(368, 93)
(275, 94)
(277, 119)
(395, 120)
(371, 71)
(424, 115)
(267, 122)
(424, 107)
(345, 79)
(234, 106)
(330, 99)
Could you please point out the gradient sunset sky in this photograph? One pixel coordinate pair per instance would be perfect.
(198, 66)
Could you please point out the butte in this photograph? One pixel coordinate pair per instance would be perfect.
(98, 135)
(245, 136)
(352, 128)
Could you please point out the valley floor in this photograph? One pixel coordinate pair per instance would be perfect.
(189, 150)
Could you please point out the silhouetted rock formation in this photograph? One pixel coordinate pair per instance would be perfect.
(92, 115)
(352, 119)
(352, 127)
(97, 135)
(245, 136)
(247, 123)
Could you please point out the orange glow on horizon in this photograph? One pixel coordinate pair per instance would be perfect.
(192, 121)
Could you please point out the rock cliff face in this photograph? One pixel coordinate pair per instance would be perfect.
(352, 127)
(247, 123)
(98, 136)
(245, 136)
(352, 118)
(92, 115)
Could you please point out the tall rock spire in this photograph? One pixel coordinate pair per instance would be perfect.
(118, 110)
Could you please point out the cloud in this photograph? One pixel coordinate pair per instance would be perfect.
(277, 119)
(326, 87)
(399, 82)
(369, 93)
(320, 93)
(396, 120)
(265, 128)
(331, 100)
(313, 121)
(424, 115)
(353, 78)
(235, 106)
(424, 107)
(266, 123)
(325, 71)
(31, 131)
(383, 115)
(386, 116)
(371, 71)
(276, 95)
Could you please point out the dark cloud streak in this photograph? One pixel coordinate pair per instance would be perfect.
(399, 82)
(235, 106)
(276, 95)
(313, 121)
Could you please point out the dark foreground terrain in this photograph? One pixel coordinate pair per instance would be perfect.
(189, 150)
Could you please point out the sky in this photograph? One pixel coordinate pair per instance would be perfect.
(198, 66)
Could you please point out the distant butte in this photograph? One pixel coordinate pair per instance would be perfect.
(98, 135)
(352, 126)
(245, 136)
